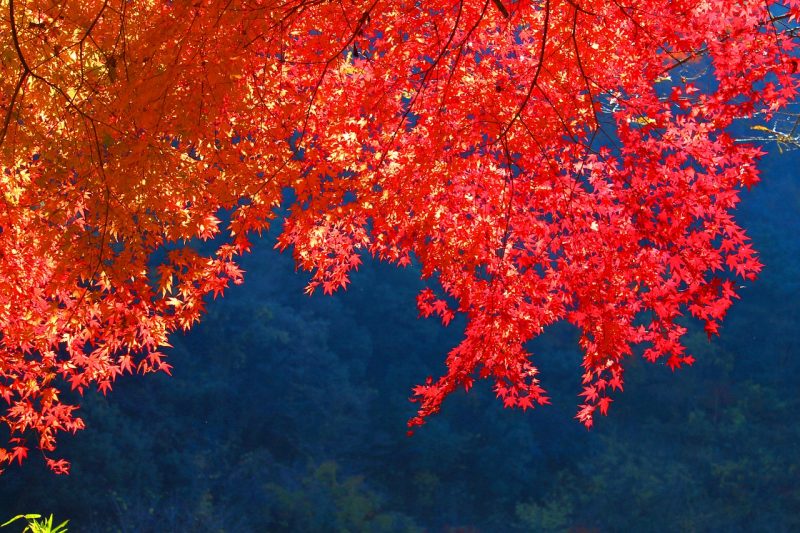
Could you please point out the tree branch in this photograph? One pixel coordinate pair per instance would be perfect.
(10, 111)
(502, 8)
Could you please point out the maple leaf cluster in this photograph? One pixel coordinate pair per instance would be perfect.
(542, 160)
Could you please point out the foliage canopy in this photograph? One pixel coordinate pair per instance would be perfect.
(542, 160)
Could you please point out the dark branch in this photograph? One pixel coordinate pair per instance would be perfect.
(501, 8)
(10, 111)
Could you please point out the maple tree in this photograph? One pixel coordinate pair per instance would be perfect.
(542, 161)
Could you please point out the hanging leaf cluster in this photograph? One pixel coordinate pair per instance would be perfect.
(541, 160)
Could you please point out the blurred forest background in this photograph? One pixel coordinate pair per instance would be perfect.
(288, 412)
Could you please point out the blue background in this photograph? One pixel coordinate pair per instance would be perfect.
(287, 413)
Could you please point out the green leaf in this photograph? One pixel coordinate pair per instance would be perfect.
(25, 516)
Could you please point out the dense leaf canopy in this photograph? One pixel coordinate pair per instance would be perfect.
(542, 161)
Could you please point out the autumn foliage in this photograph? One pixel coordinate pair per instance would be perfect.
(541, 160)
